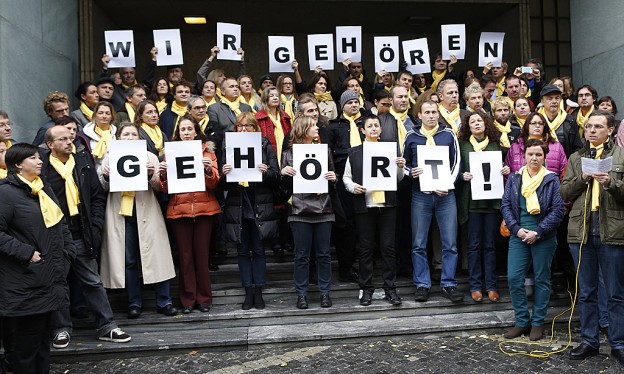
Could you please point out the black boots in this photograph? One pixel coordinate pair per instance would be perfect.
(253, 298)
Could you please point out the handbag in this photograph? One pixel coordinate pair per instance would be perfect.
(504, 230)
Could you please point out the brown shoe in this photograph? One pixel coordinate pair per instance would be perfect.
(493, 296)
(537, 333)
(477, 296)
(516, 332)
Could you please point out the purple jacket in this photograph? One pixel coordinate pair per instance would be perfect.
(556, 159)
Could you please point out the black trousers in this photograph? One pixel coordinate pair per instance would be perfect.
(343, 230)
(376, 223)
(31, 343)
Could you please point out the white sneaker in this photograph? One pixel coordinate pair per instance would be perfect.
(116, 336)
(61, 340)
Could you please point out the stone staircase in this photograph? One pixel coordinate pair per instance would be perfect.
(228, 327)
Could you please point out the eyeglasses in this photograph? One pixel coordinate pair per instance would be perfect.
(247, 126)
(62, 140)
(202, 107)
(536, 124)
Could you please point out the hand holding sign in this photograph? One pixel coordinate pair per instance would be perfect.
(486, 182)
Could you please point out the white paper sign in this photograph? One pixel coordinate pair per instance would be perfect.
(349, 43)
(128, 165)
(416, 54)
(243, 150)
(281, 54)
(487, 181)
(321, 51)
(310, 162)
(434, 160)
(169, 46)
(591, 166)
(185, 169)
(379, 168)
(491, 48)
(119, 46)
(228, 41)
(386, 53)
(453, 41)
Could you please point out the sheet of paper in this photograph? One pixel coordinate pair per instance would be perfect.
(591, 166)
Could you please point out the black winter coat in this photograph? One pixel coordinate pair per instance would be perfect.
(92, 199)
(31, 288)
(263, 200)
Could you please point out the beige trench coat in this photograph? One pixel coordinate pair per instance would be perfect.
(156, 260)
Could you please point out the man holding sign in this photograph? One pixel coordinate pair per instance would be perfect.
(375, 211)
(440, 201)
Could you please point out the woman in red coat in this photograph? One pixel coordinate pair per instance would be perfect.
(192, 217)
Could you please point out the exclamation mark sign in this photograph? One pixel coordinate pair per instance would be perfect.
(486, 176)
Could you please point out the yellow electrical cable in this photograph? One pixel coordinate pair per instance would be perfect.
(540, 353)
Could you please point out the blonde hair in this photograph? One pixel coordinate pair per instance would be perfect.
(300, 127)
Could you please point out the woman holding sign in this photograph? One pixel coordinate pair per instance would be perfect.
(192, 218)
(318, 86)
(533, 210)
(250, 216)
(375, 216)
(478, 134)
(135, 239)
(311, 217)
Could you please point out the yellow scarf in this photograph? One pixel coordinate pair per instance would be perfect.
(323, 96)
(155, 135)
(279, 136)
(361, 100)
(203, 123)
(500, 87)
(521, 121)
(554, 124)
(479, 146)
(421, 90)
(73, 148)
(581, 120)
(89, 112)
(354, 134)
(388, 88)
(402, 130)
(528, 94)
(66, 171)
(51, 212)
(102, 146)
(595, 200)
(219, 93)
(131, 112)
(212, 101)
(506, 129)
(450, 117)
(161, 105)
(125, 86)
(251, 102)
(127, 203)
(429, 134)
(233, 105)
(437, 78)
(288, 104)
(529, 189)
(8, 143)
(178, 109)
(3, 173)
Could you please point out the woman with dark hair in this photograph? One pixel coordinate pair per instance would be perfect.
(250, 215)
(101, 130)
(147, 121)
(478, 134)
(161, 94)
(607, 103)
(192, 218)
(533, 210)
(288, 96)
(318, 86)
(209, 92)
(36, 248)
(522, 109)
(135, 246)
(536, 127)
(310, 217)
(88, 96)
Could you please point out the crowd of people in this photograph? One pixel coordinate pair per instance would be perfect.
(65, 238)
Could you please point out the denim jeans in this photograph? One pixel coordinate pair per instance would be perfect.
(251, 258)
(307, 235)
(610, 259)
(133, 282)
(482, 229)
(522, 256)
(85, 269)
(424, 207)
